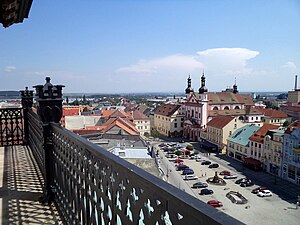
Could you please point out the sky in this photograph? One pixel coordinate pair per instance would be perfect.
(130, 46)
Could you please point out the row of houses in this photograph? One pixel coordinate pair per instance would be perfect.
(272, 148)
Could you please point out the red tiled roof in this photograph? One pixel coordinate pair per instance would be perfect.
(291, 108)
(220, 121)
(71, 111)
(259, 135)
(106, 113)
(166, 109)
(229, 98)
(292, 127)
(273, 113)
(123, 124)
(137, 115)
(118, 114)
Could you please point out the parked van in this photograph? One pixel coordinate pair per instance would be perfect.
(190, 177)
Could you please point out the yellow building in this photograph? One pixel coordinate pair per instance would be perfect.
(168, 119)
(273, 145)
(220, 128)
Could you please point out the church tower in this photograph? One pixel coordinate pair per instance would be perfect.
(203, 99)
(235, 90)
(189, 88)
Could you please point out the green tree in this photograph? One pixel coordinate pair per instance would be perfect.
(154, 133)
(286, 123)
(178, 153)
(146, 134)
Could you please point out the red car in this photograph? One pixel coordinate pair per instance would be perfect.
(225, 172)
(215, 203)
(178, 160)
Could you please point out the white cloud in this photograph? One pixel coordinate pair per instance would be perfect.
(290, 65)
(227, 61)
(9, 68)
(167, 63)
(221, 61)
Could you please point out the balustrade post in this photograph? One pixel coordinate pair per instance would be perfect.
(27, 102)
(49, 108)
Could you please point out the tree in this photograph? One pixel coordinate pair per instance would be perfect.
(178, 153)
(146, 134)
(154, 133)
(286, 123)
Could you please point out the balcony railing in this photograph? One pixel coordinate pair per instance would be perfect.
(90, 185)
(11, 126)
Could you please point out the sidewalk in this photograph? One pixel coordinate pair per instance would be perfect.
(20, 188)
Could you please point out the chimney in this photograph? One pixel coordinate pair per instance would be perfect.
(296, 82)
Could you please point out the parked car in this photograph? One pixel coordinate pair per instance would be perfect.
(199, 185)
(181, 167)
(187, 171)
(190, 177)
(258, 189)
(181, 141)
(178, 160)
(199, 159)
(247, 183)
(214, 165)
(206, 162)
(206, 191)
(171, 155)
(162, 145)
(264, 193)
(225, 172)
(230, 176)
(239, 181)
(215, 203)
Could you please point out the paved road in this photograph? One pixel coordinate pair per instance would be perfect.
(278, 209)
(170, 174)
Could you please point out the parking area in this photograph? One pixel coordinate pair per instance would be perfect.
(258, 210)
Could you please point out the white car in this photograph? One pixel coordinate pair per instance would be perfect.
(199, 159)
(190, 177)
(264, 193)
(231, 176)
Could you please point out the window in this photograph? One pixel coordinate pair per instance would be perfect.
(175, 125)
(226, 108)
(235, 126)
(230, 132)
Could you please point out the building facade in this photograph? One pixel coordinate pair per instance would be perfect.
(291, 153)
(238, 143)
(220, 128)
(257, 150)
(168, 119)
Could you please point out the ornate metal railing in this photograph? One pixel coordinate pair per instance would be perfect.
(36, 139)
(11, 126)
(93, 186)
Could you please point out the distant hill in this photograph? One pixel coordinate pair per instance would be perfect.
(9, 94)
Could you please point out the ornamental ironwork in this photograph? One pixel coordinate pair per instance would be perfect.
(11, 126)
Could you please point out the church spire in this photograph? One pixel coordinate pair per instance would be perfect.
(235, 90)
(202, 89)
(189, 88)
